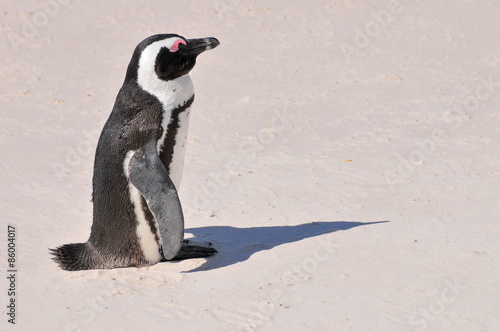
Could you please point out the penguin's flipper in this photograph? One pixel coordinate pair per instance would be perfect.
(149, 176)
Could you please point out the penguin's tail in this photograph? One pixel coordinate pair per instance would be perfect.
(74, 257)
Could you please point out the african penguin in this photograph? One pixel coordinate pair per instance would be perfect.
(137, 215)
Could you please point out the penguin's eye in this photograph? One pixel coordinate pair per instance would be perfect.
(175, 47)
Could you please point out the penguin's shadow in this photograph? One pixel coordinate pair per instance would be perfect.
(236, 245)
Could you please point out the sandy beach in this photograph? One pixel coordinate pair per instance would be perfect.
(342, 157)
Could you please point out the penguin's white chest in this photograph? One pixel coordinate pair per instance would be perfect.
(173, 95)
(179, 124)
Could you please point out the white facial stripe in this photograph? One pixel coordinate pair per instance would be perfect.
(150, 248)
(170, 93)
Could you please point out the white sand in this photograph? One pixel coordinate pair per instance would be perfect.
(296, 149)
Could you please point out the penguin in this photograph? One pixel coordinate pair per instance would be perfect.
(137, 214)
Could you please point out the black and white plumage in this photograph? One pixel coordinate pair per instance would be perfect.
(137, 216)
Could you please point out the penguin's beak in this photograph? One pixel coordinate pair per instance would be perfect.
(197, 46)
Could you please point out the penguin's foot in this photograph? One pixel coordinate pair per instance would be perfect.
(192, 249)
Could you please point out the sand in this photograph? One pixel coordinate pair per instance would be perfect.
(343, 158)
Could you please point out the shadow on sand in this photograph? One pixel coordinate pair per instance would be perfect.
(236, 245)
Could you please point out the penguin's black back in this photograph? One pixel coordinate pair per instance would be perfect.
(135, 118)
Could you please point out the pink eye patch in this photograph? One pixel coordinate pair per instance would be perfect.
(175, 47)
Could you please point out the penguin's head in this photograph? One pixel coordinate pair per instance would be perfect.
(166, 57)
